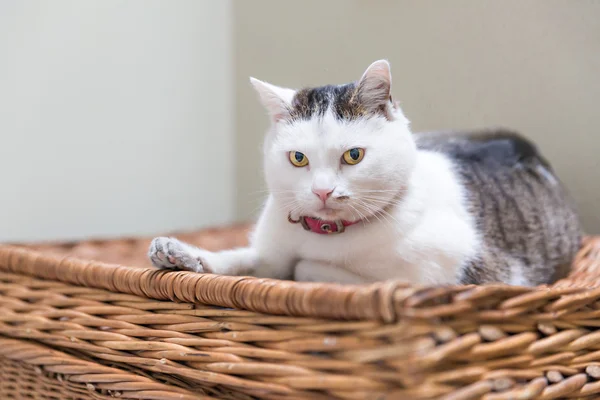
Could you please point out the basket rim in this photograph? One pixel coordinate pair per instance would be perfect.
(384, 301)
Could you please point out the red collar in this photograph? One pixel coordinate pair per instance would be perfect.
(321, 226)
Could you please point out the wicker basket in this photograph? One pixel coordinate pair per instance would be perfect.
(77, 329)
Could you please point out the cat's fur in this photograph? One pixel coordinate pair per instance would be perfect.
(433, 208)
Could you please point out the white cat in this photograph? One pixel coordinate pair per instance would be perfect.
(353, 199)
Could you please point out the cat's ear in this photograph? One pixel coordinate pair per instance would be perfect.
(277, 100)
(375, 88)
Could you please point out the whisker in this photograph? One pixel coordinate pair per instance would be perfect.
(380, 212)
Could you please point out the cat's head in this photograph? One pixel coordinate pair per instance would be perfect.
(337, 152)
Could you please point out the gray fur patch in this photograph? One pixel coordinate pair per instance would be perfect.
(343, 100)
(527, 220)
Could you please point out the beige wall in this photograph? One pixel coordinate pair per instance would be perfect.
(531, 65)
(115, 116)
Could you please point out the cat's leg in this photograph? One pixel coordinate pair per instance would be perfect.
(315, 271)
(271, 253)
(171, 253)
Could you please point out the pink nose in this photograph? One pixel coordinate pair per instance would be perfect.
(323, 194)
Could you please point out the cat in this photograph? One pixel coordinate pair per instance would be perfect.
(356, 197)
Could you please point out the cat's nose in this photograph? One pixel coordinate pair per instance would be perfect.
(323, 194)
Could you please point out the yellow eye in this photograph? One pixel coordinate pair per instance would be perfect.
(353, 156)
(298, 159)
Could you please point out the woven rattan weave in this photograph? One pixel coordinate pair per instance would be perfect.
(71, 328)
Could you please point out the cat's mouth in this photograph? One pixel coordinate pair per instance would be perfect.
(327, 212)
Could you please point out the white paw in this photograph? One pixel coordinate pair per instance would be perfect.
(171, 253)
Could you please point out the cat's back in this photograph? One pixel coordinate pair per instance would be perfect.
(528, 222)
(487, 148)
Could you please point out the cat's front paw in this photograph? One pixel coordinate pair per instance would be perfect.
(171, 253)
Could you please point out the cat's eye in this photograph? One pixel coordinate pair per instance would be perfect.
(353, 156)
(298, 159)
